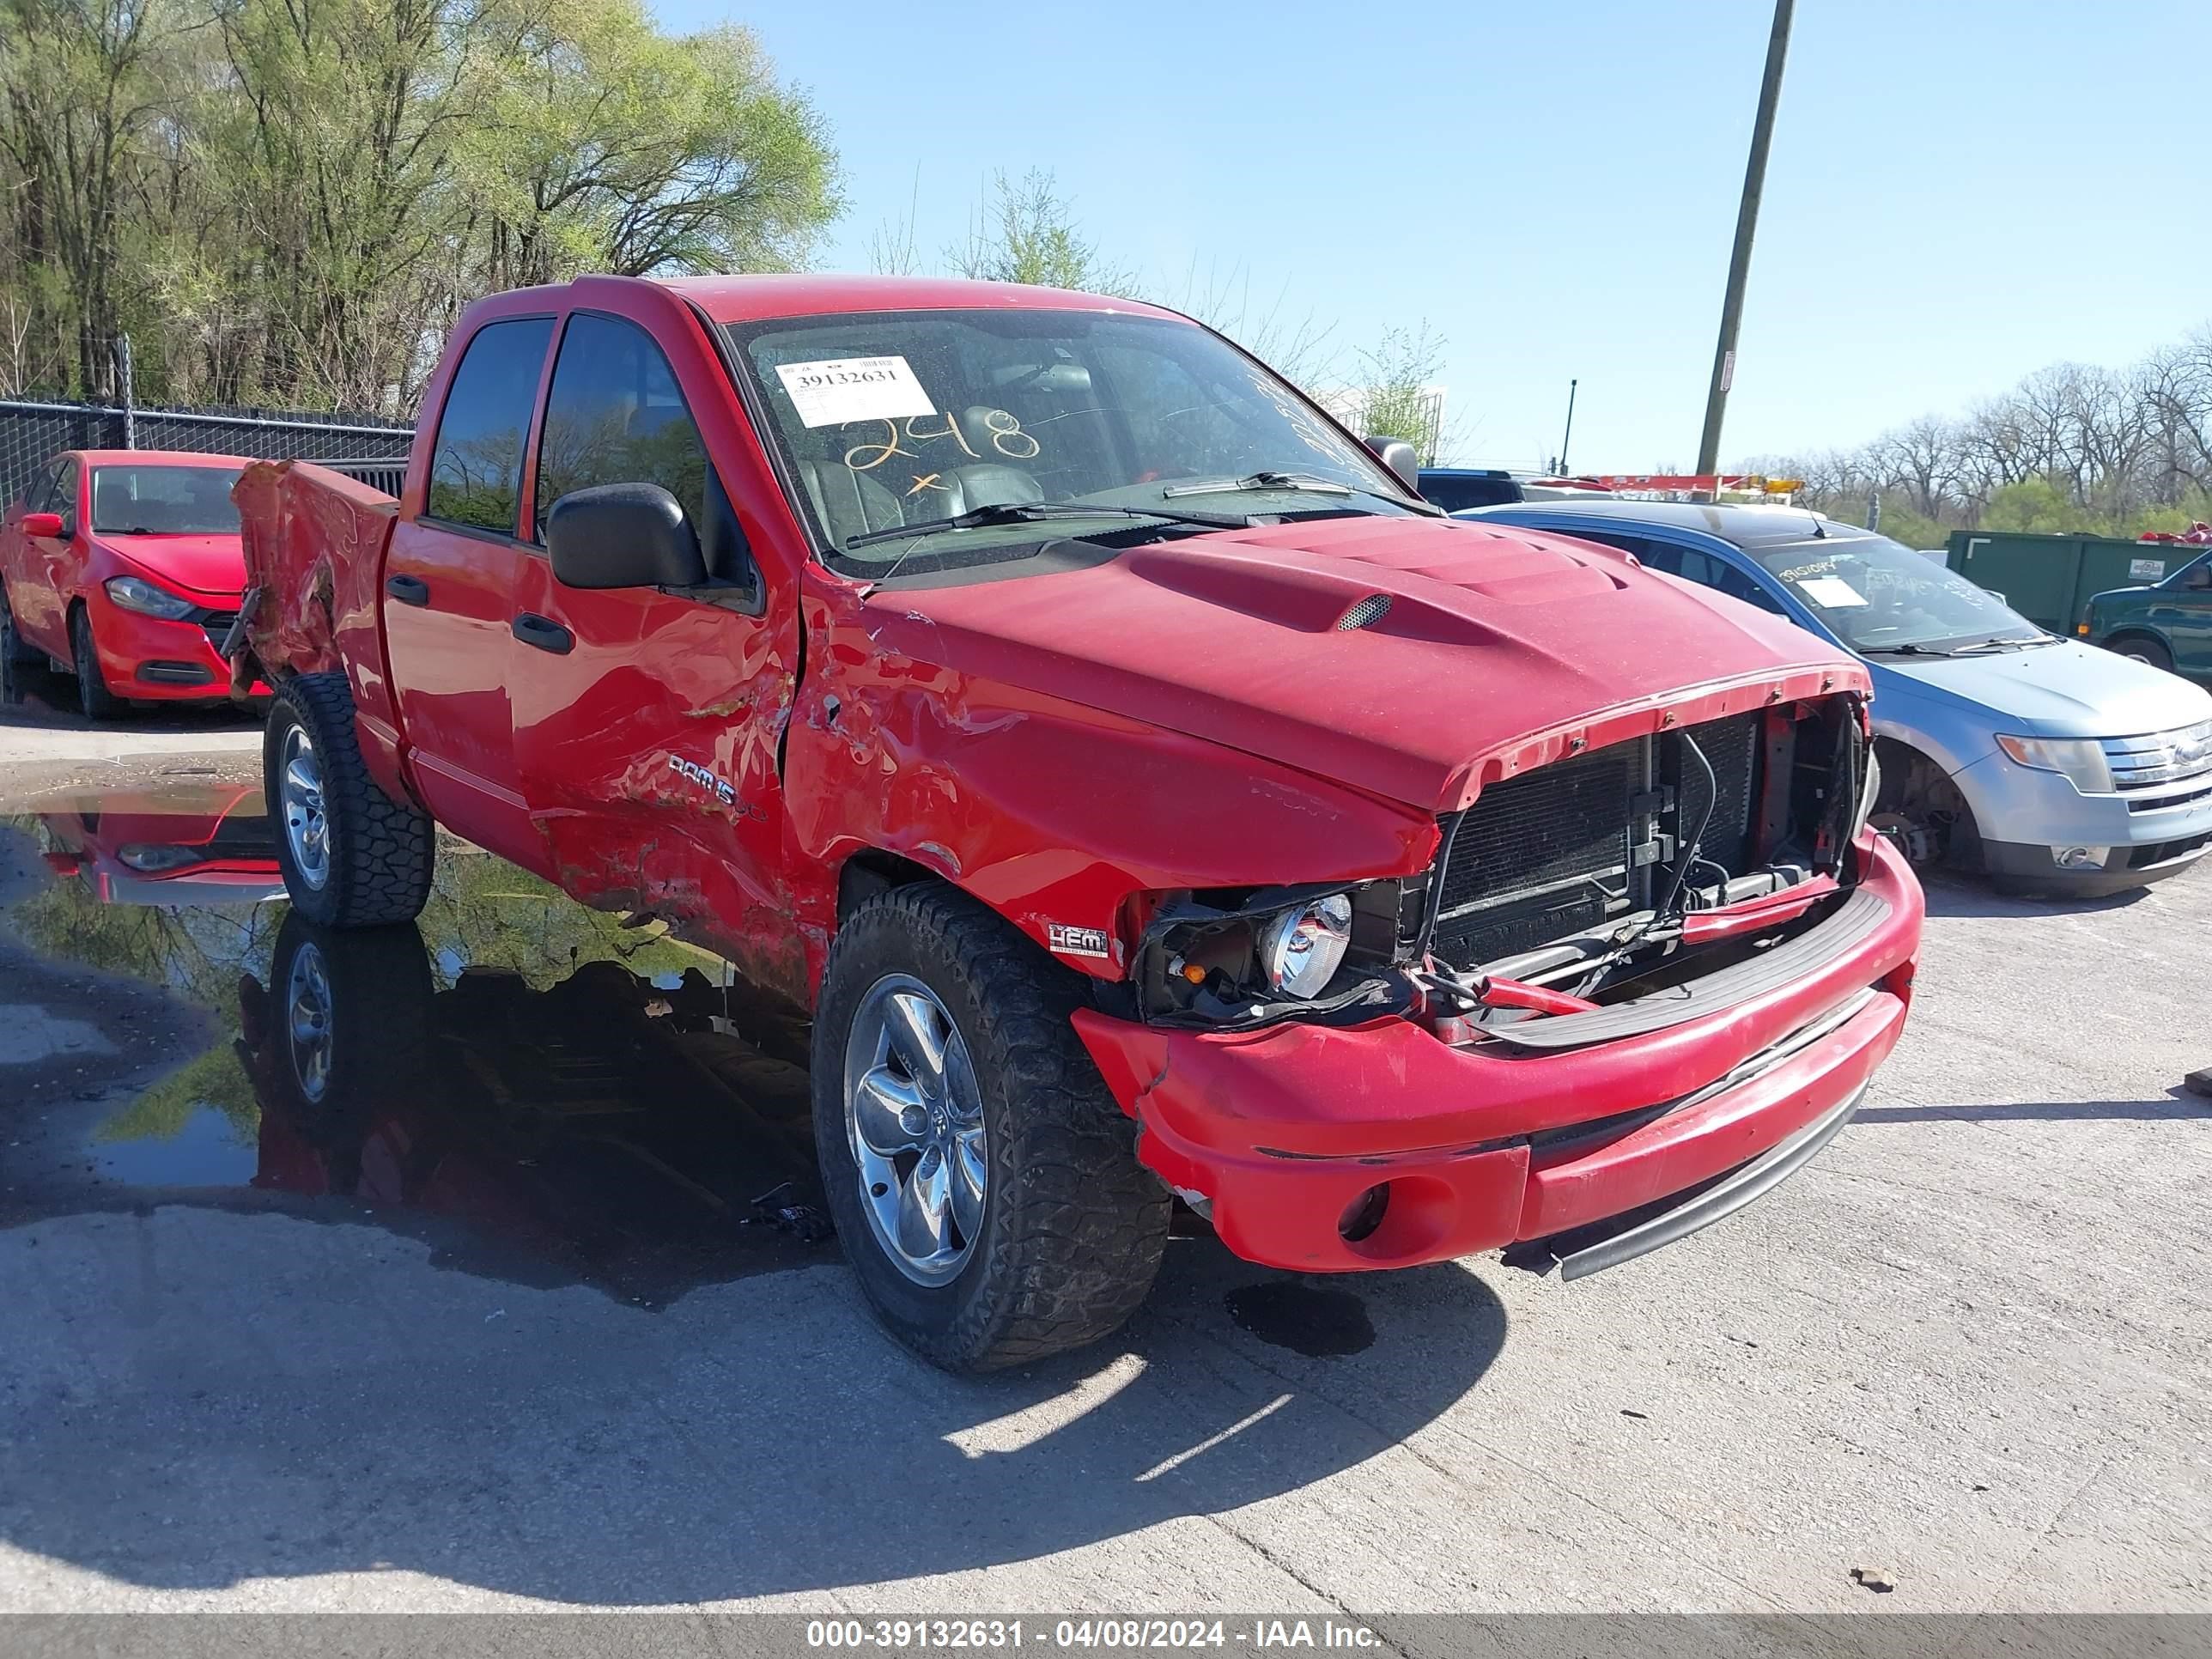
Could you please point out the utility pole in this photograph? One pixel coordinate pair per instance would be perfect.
(1561, 469)
(1747, 223)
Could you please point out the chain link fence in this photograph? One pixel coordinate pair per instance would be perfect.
(33, 430)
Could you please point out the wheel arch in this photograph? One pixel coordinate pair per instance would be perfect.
(2136, 630)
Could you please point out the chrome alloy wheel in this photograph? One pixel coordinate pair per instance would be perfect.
(304, 825)
(308, 1019)
(913, 1116)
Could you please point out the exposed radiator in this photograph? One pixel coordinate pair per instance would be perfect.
(1557, 850)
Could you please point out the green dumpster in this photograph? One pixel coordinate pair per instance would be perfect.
(2049, 579)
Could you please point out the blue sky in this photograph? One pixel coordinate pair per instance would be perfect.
(1960, 191)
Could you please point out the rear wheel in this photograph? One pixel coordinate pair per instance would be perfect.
(93, 696)
(2141, 647)
(983, 1183)
(352, 856)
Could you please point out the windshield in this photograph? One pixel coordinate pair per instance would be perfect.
(1879, 595)
(164, 500)
(893, 420)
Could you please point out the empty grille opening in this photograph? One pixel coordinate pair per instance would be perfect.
(1558, 850)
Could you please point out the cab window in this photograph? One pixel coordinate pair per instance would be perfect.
(614, 415)
(476, 467)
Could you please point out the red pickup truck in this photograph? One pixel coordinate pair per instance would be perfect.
(1150, 795)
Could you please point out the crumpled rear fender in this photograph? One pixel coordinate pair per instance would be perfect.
(314, 544)
(1051, 812)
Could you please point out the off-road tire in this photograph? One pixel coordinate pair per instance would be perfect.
(380, 849)
(2143, 648)
(93, 699)
(1072, 1227)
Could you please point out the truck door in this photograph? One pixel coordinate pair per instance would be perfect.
(646, 722)
(449, 592)
(2186, 617)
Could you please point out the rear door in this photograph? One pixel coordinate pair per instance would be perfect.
(646, 722)
(450, 583)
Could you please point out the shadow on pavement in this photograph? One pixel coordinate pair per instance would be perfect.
(31, 694)
(570, 1333)
(1968, 896)
(2179, 1102)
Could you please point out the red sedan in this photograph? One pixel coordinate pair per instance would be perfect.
(123, 566)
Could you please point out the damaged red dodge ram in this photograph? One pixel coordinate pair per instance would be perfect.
(1148, 793)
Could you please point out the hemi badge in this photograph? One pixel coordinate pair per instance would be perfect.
(1076, 941)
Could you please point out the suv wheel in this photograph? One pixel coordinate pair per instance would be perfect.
(93, 697)
(984, 1184)
(352, 856)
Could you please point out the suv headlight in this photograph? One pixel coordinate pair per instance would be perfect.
(133, 593)
(2081, 761)
(1301, 949)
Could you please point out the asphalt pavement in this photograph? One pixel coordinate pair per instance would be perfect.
(541, 1319)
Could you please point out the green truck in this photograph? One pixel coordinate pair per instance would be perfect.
(2150, 600)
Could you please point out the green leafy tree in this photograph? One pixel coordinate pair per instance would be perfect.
(289, 201)
(609, 146)
(1024, 231)
(1397, 395)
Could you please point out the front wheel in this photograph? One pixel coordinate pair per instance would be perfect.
(352, 856)
(983, 1183)
(93, 697)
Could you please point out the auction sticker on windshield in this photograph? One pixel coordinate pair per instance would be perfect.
(1831, 592)
(836, 389)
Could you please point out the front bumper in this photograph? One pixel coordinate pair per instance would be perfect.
(159, 660)
(2024, 814)
(1286, 1131)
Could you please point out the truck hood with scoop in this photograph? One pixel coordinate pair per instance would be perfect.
(1410, 658)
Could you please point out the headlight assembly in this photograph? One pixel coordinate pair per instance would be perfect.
(2081, 761)
(1301, 949)
(133, 593)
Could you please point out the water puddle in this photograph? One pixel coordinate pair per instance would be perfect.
(553, 1096)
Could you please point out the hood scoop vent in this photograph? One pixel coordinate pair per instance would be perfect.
(1367, 612)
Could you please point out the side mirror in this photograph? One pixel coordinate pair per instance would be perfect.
(43, 524)
(625, 535)
(1401, 458)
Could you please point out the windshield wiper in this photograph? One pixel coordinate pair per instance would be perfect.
(1259, 481)
(2002, 644)
(1906, 650)
(998, 513)
(1303, 482)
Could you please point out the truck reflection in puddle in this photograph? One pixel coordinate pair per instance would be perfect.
(622, 1131)
(546, 1092)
